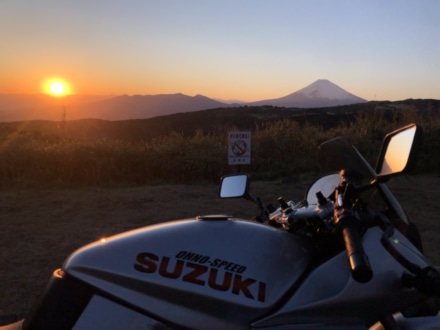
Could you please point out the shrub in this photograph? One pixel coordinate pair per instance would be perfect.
(280, 148)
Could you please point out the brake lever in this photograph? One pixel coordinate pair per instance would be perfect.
(426, 280)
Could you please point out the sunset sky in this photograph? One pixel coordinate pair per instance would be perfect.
(246, 50)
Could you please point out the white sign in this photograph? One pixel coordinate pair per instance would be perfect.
(239, 148)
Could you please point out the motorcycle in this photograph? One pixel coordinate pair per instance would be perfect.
(346, 257)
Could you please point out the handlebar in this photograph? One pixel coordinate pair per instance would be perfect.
(359, 263)
(345, 219)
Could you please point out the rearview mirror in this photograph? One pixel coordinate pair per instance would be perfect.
(234, 186)
(399, 150)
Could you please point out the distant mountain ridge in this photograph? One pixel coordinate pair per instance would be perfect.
(321, 93)
(147, 106)
(44, 107)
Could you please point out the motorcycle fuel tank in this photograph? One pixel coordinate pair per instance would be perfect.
(211, 270)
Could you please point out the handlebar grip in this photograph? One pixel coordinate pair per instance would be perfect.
(359, 263)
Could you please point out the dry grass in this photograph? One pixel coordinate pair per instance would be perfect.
(40, 228)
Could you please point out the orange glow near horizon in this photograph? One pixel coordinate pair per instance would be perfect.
(56, 87)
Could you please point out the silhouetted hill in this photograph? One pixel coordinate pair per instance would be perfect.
(215, 120)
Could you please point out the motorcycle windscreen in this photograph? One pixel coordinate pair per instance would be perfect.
(338, 154)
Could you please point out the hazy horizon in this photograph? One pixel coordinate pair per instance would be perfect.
(228, 50)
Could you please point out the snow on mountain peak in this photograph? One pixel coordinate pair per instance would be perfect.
(324, 88)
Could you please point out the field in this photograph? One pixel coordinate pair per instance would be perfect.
(39, 228)
(189, 147)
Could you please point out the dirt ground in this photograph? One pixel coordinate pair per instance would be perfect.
(40, 228)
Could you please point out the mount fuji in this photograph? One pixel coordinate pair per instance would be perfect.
(321, 93)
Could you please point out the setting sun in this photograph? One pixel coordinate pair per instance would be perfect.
(56, 87)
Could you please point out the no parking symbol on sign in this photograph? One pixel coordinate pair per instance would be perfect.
(239, 148)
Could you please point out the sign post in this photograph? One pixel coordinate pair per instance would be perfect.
(239, 148)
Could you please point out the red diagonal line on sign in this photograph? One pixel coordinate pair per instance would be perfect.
(236, 147)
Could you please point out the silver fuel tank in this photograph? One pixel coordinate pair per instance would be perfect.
(212, 270)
